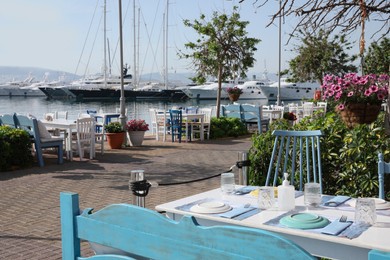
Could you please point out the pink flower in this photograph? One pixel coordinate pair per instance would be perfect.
(374, 88)
(341, 107)
(353, 88)
(367, 92)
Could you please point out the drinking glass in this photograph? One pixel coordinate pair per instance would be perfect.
(227, 182)
(312, 194)
(365, 211)
(266, 197)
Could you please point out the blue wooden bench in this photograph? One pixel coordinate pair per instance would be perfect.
(247, 113)
(145, 233)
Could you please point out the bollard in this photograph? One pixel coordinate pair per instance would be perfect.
(135, 176)
(242, 168)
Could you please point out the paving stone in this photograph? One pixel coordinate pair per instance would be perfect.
(29, 199)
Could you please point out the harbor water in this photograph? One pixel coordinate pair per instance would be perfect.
(38, 106)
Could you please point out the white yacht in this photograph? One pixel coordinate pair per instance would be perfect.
(290, 91)
(251, 89)
(20, 88)
(209, 90)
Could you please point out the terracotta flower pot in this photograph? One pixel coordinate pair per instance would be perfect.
(115, 140)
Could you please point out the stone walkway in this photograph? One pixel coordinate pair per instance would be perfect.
(29, 199)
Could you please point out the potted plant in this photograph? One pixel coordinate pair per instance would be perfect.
(136, 129)
(290, 116)
(234, 93)
(358, 98)
(115, 134)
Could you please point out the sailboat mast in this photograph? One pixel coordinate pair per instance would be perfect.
(135, 78)
(105, 54)
(166, 48)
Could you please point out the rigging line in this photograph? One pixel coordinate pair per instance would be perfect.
(86, 37)
(148, 46)
(149, 37)
(94, 41)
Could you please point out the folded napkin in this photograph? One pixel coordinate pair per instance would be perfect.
(235, 212)
(336, 201)
(336, 227)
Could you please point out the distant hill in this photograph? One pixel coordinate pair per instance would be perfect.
(20, 73)
(8, 73)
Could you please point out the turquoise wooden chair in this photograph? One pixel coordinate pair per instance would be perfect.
(8, 120)
(135, 232)
(383, 168)
(176, 124)
(298, 153)
(40, 142)
(252, 114)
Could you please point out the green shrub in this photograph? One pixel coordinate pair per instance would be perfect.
(349, 156)
(227, 127)
(15, 148)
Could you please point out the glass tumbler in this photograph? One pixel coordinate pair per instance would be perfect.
(312, 194)
(227, 182)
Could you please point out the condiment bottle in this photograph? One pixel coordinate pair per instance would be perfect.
(286, 195)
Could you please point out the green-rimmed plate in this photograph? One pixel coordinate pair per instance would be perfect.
(304, 221)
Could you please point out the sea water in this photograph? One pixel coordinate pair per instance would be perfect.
(38, 106)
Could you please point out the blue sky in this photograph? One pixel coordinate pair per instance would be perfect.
(52, 34)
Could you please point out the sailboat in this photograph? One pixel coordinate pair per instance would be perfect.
(103, 86)
(157, 90)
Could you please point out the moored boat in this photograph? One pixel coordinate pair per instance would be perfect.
(209, 91)
(17, 88)
(290, 91)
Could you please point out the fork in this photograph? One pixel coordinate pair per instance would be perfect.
(343, 218)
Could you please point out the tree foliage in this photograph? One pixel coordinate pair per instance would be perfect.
(377, 59)
(223, 49)
(319, 55)
(333, 14)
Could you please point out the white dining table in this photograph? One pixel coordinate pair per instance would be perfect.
(322, 245)
(189, 118)
(272, 114)
(69, 126)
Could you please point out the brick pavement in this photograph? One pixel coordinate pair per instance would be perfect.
(29, 199)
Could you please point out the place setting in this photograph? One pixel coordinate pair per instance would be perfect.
(365, 214)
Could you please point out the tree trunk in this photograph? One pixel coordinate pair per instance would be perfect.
(219, 90)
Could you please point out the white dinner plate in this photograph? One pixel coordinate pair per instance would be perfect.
(380, 204)
(210, 207)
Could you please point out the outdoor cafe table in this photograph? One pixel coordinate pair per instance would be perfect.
(189, 118)
(375, 237)
(69, 126)
(272, 114)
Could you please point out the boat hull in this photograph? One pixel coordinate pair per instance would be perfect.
(115, 94)
(289, 93)
(62, 93)
(18, 92)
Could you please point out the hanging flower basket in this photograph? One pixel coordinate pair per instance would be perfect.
(234, 93)
(234, 97)
(359, 113)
